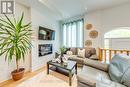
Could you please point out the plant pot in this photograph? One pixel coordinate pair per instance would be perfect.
(17, 75)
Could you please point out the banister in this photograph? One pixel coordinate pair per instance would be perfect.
(106, 54)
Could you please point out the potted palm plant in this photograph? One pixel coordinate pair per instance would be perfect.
(62, 50)
(15, 42)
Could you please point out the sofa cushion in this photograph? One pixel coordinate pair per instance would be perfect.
(119, 69)
(93, 51)
(94, 57)
(96, 64)
(74, 51)
(77, 59)
(89, 51)
(90, 75)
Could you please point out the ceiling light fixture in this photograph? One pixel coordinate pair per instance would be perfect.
(86, 8)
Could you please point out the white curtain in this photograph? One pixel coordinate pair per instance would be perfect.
(73, 34)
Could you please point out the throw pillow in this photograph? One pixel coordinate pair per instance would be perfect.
(69, 53)
(74, 51)
(81, 53)
(87, 53)
(93, 51)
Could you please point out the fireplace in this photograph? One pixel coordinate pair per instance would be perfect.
(45, 49)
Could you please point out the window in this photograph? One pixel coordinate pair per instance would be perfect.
(73, 34)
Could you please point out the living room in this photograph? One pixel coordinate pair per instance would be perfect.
(103, 25)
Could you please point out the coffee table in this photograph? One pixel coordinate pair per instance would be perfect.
(69, 69)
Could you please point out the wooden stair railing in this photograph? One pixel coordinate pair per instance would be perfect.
(105, 53)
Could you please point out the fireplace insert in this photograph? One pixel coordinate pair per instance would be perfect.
(45, 49)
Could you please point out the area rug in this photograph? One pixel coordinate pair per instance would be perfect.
(52, 80)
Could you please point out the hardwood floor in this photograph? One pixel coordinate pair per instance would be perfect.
(11, 83)
(39, 78)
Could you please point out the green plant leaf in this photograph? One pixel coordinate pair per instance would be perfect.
(14, 38)
(11, 23)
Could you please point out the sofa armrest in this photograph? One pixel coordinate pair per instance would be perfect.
(94, 57)
(88, 82)
(96, 64)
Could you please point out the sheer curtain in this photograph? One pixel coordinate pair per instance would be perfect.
(73, 34)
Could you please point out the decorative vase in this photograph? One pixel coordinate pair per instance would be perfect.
(61, 57)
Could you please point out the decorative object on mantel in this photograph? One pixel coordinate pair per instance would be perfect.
(62, 50)
(88, 43)
(93, 34)
(89, 26)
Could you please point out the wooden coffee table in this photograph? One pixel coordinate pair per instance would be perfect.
(70, 69)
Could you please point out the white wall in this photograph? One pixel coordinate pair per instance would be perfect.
(33, 62)
(46, 20)
(106, 20)
(5, 68)
(123, 43)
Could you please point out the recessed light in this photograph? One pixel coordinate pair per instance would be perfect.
(40, 0)
(86, 8)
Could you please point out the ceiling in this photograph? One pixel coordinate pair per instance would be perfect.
(70, 8)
